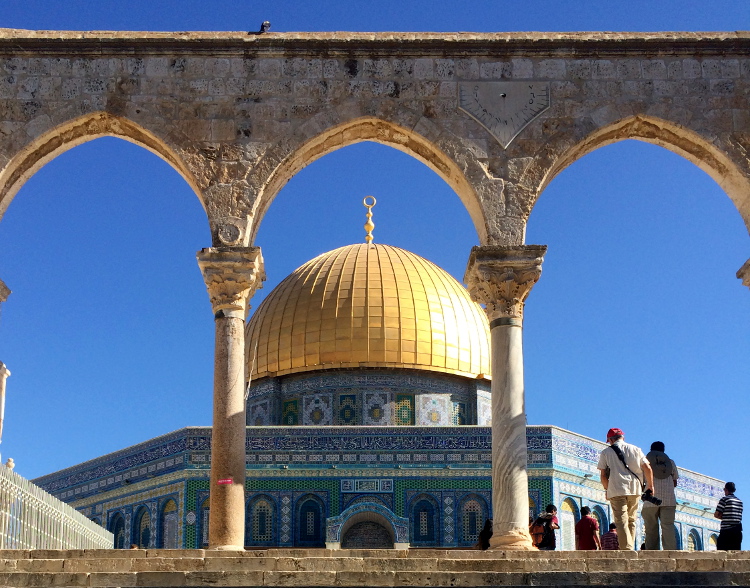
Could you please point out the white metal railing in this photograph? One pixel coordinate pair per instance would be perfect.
(30, 518)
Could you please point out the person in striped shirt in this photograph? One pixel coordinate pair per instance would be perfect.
(609, 540)
(729, 510)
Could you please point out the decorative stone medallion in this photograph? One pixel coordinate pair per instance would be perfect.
(503, 108)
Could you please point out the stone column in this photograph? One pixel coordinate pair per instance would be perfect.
(501, 278)
(232, 276)
(4, 373)
(744, 274)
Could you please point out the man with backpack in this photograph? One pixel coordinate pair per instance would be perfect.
(654, 516)
(622, 467)
(542, 530)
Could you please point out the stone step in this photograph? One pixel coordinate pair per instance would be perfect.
(358, 568)
(249, 579)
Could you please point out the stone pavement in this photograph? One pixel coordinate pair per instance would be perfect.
(350, 568)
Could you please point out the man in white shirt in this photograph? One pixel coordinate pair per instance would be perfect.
(623, 483)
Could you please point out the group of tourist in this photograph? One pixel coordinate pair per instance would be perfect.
(629, 476)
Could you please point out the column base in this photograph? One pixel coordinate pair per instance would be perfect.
(333, 545)
(513, 540)
(228, 547)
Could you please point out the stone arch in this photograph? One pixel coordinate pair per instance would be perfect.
(681, 140)
(397, 527)
(55, 141)
(601, 516)
(421, 139)
(143, 528)
(694, 541)
(117, 528)
(168, 524)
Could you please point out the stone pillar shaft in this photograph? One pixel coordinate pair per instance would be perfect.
(232, 275)
(4, 373)
(510, 485)
(501, 279)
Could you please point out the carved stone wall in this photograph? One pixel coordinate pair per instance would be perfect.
(496, 115)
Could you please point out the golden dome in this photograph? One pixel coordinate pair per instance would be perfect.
(368, 306)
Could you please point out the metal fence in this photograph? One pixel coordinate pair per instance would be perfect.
(30, 518)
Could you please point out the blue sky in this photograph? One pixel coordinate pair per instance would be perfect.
(637, 321)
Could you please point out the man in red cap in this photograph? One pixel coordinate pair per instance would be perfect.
(623, 468)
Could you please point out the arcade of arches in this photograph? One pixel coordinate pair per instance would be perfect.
(497, 116)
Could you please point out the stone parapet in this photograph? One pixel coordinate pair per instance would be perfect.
(322, 567)
(401, 42)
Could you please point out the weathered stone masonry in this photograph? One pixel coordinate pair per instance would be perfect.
(497, 116)
(237, 115)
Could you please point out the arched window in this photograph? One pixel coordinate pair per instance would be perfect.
(142, 535)
(569, 516)
(203, 521)
(712, 540)
(472, 515)
(260, 522)
(694, 542)
(601, 518)
(310, 522)
(117, 527)
(169, 525)
(424, 521)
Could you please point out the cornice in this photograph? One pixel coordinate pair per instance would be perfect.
(324, 44)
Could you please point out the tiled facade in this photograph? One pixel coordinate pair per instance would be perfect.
(370, 398)
(435, 478)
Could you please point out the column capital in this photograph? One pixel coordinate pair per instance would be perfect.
(501, 277)
(232, 275)
(744, 274)
(4, 371)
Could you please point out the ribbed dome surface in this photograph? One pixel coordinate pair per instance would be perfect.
(368, 306)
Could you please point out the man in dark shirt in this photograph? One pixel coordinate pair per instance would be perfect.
(587, 531)
(609, 539)
(729, 510)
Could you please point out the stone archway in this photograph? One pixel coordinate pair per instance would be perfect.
(681, 140)
(367, 525)
(367, 535)
(437, 152)
(72, 133)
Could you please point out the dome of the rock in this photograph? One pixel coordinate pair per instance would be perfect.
(368, 306)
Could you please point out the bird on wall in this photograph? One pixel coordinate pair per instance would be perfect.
(265, 27)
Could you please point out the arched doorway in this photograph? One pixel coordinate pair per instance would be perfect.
(168, 536)
(142, 530)
(424, 521)
(372, 535)
(694, 542)
(117, 527)
(367, 535)
(310, 522)
(569, 516)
